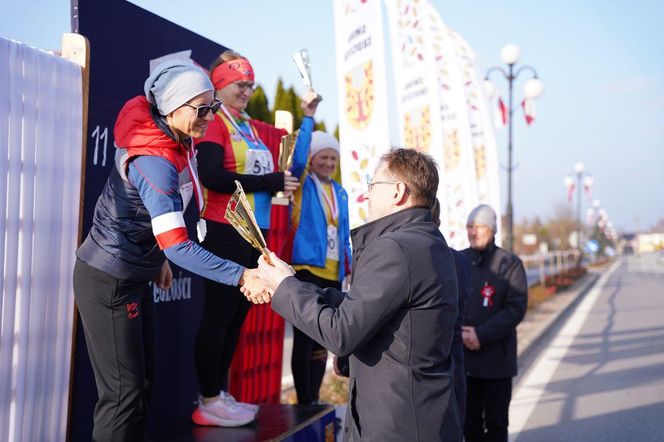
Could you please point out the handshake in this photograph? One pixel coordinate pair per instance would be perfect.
(258, 285)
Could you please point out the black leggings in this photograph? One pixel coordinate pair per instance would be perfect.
(224, 313)
(118, 320)
(309, 357)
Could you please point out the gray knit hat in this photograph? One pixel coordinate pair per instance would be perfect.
(173, 83)
(483, 214)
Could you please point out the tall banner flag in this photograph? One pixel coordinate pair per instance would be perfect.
(361, 84)
(417, 101)
(485, 159)
(457, 188)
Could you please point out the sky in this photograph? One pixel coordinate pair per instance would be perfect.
(601, 62)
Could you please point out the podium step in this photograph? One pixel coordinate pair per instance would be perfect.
(276, 422)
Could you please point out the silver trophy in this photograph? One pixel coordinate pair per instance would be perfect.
(301, 59)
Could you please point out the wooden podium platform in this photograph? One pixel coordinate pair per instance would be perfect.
(291, 423)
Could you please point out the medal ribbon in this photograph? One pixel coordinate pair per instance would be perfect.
(323, 197)
(194, 179)
(250, 138)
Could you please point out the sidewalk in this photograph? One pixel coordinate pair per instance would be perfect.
(538, 323)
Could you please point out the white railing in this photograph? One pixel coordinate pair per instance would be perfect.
(541, 265)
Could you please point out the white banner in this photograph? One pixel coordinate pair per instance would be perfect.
(417, 99)
(361, 85)
(41, 134)
(458, 192)
(482, 136)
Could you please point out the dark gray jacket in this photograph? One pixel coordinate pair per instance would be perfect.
(495, 323)
(396, 323)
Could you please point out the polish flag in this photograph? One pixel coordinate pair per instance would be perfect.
(528, 106)
(502, 116)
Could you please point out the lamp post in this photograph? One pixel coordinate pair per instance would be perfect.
(533, 88)
(582, 181)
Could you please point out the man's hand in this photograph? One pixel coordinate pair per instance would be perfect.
(345, 284)
(470, 339)
(253, 288)
(165, 277)
(272, 275)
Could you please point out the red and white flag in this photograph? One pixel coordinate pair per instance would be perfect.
(570, 191)
(528, 105)
(502, 115)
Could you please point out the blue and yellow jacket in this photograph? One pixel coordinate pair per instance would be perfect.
(309, 221)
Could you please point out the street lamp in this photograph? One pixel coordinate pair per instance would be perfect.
(533, 88)
(582, 181)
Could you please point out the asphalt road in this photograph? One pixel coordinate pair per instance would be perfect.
(600, 376)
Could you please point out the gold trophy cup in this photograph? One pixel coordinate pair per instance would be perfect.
(301, 59)
(284, 120)
(240, 215)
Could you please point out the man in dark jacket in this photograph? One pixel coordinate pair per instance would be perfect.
(462, 268)
(397, 320)
(497, 303)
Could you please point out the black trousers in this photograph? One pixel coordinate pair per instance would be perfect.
(487, 409)
(309, 357)
(118, 321)
(224, 313)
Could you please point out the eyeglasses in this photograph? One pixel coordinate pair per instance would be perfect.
(204, 110)
(370, 184)
(243, 86)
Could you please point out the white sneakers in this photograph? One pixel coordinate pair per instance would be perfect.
(223, 412)
(229, 399)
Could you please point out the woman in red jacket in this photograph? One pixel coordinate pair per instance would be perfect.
(232, 150)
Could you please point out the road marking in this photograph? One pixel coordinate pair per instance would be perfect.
(533, 386)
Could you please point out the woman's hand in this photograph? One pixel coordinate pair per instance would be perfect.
(309, 104)
(165, 277)
(252, 287)
(290, 183)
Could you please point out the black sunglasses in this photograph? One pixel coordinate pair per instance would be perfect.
(204, 110)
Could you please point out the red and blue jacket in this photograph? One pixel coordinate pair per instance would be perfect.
(138, 218)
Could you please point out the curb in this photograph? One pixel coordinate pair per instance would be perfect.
(541, 322)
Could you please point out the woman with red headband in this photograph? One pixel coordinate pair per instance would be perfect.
(232, 150)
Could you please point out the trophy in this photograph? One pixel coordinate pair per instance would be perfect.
(301, 59)
(240, 215)
(284, 120)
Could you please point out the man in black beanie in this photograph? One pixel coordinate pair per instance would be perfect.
(497, 302)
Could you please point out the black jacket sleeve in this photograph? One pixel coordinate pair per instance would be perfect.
(380, 288)
(214, 177)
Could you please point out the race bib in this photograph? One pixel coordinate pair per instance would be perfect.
(186, 191)
(258, 162)
(332, 243)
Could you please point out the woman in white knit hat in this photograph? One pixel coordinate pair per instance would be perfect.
(321, 251)
(138, 226)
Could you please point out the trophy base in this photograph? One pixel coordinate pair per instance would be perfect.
(280, 200)
(312, 97)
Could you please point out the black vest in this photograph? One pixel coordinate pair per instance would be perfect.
(120, 241)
